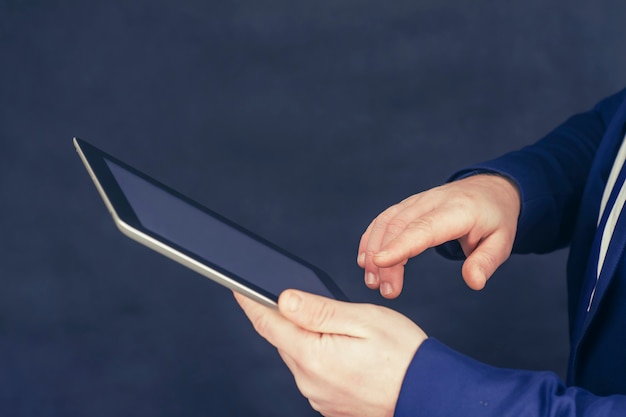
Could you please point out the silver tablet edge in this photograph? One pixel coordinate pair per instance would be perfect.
(168, 251)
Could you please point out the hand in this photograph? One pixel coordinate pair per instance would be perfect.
(347, 359)
(480, 211)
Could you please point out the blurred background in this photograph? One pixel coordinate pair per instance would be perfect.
(300, 120)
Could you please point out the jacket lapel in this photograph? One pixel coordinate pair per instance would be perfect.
(613, 257)
(584, 316)
(594, 287)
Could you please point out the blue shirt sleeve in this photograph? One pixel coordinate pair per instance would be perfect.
(551, 176)
(441, 382)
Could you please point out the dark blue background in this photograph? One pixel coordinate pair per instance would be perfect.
(301, 120)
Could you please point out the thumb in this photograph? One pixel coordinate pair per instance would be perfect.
(321, 314)
(484, 260)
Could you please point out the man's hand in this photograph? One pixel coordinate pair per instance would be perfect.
(480, 211)
(347, 359)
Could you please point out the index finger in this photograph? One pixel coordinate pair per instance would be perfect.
(372, 241)
(429, 230)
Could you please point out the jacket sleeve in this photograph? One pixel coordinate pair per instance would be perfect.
(442, 382)
(551, 176)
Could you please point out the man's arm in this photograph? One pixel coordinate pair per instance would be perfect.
(363, 360)
(347, 359)
(531, 206)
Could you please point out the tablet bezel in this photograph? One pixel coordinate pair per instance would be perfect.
(127, 222)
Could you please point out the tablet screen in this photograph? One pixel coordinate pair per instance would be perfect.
(212, 240)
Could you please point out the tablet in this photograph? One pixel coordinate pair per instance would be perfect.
(187, 232)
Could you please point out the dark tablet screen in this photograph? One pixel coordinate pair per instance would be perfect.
(219, 244)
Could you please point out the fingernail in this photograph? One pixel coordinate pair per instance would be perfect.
(386, 288)
(293, 302)
(370, 278)
(361, 258)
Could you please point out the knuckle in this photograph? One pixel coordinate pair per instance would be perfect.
(461, 201)
(305, 387)
(487, 260)
(422, 223)
(422, 228)
(260, 324)
(317, 406)
(385, 217)
(396, 225)
(323, 316)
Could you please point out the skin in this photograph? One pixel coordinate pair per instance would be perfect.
(349, 359)
(480, 212)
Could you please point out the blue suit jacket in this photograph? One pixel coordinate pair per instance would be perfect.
(561, 179)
